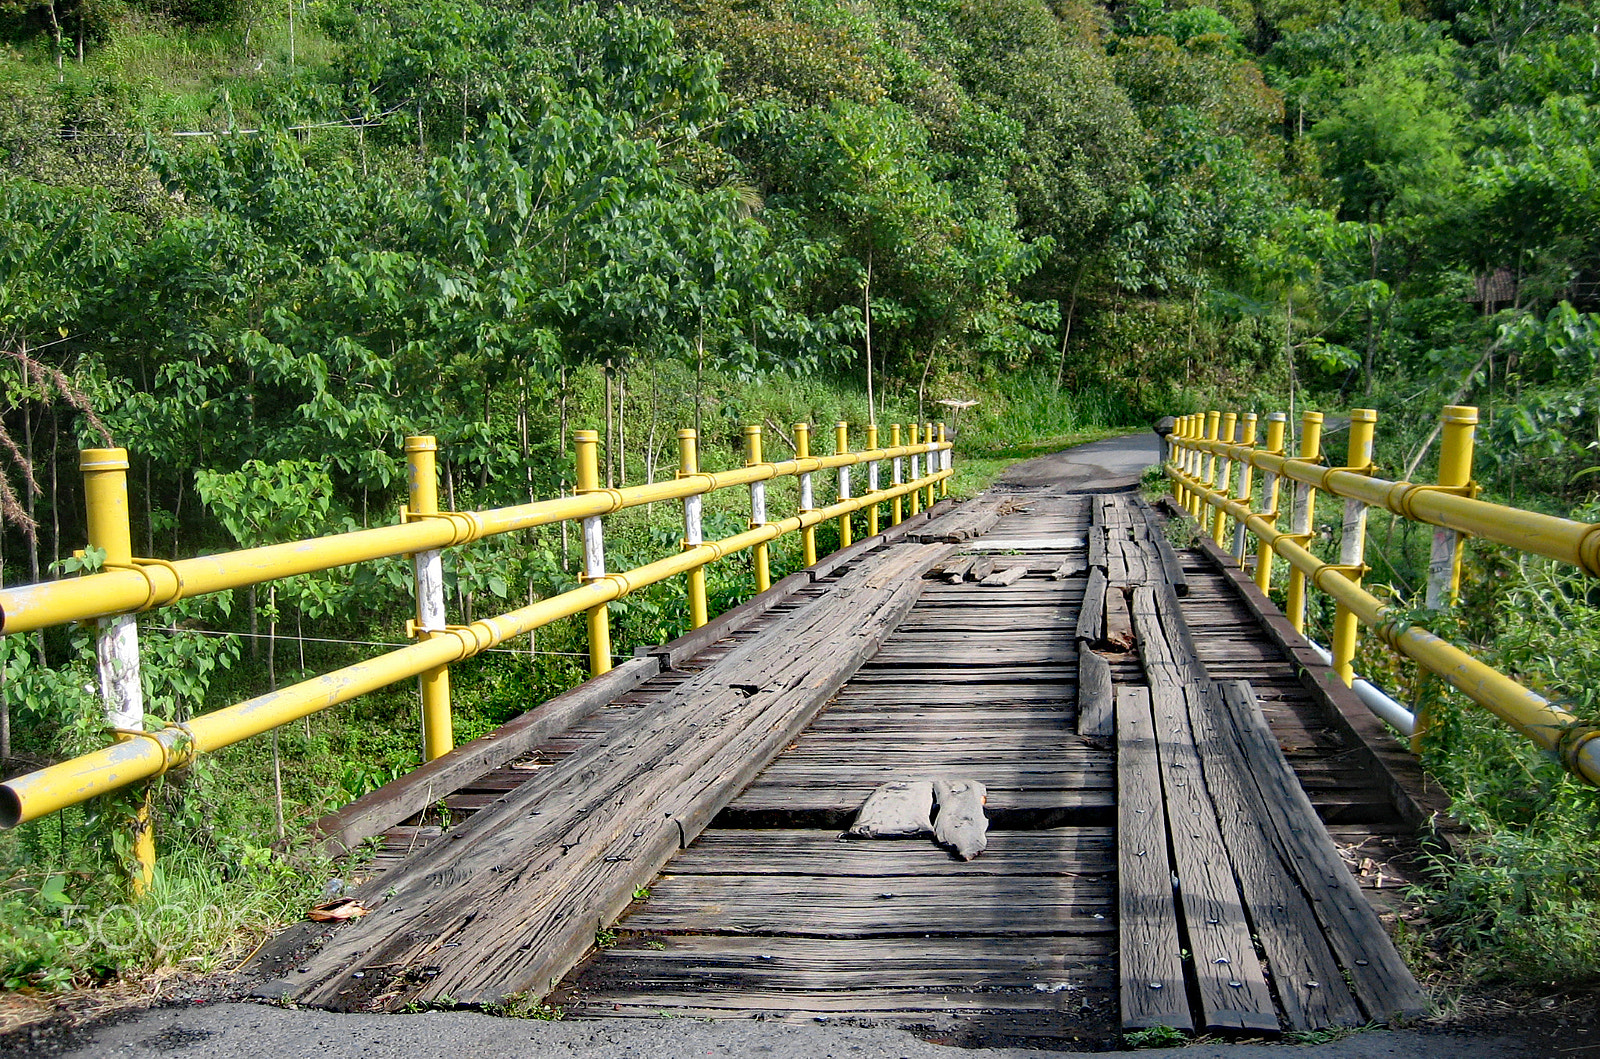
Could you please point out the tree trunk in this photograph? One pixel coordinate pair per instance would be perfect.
(55, 30)
(650, 438)
(272, 685)
(622, 425)
(31, 489)
(566, 562)
(610, 427)
(866, 320)
(1374, 243)
(699, 372)
(55, 484)
(1066, 330)
(1288, 352)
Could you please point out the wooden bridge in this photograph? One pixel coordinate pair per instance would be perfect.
(1187, 813)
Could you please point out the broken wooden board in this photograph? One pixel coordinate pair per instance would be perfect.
(514, 898)
(972, 519)
(1091, 618)
(1095, 716)
(1010, 575)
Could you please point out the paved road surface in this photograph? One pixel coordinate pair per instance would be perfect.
(1115, 463)
(252, 1031)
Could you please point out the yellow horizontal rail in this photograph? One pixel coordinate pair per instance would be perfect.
(147, 584)
(143, 756)
(1551, 536)
(1574, 741)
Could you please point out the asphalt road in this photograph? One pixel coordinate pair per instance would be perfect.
(253, 1031)
(1115, 463)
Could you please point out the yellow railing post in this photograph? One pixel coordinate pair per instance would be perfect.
(898, 470)
(1197, 460)
(433, 687)
(1353, 543)
(945, 464)
(1219, 521)
(1276, 422)
(1179, 455)
(1455, 475)
(758, 507)
(688, 464)
(1194, 460)
(915, 496)
(1213, 421)
(802, 451)
(1247, 472)
(841, 445)
(872, 479)
(105, 498)
(1304, 517)
(587, 445)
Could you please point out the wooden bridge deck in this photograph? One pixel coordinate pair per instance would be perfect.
(1056, 930)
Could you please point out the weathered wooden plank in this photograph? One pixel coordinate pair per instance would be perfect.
(1232, 984)
(972, 519)
(840, 907)
(699, 962)
(1380, 977)
(1171, 565)
(1095, 714)
(793, 851)
(545, 899)
(1091, 619)
(1151, 970)
(965, 714)
(1028, 1012)
(830, 564)
(1009, 575)
(372, 813)
(1071, 567)
(676, 652)
(954, 571)
(1119, 626)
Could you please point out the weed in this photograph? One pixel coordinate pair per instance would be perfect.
(1521, 900)
(1181, 532)
(1153, 483)
(641, 893)
(1327, 1036)
(1155, 1037)
(604, 938)
(527, 1006)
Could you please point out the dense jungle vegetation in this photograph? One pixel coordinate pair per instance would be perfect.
(258, 244)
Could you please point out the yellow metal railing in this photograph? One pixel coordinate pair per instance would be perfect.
(1206, 447)
(125, 586)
